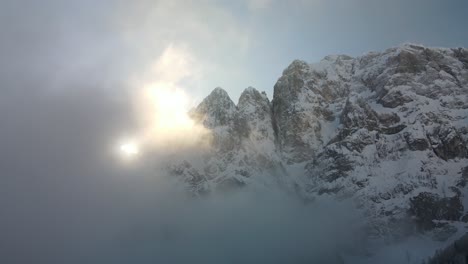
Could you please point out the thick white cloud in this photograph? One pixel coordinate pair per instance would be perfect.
(161, 103)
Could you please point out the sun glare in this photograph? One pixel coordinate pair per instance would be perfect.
(162, 109)
(129, 149)
(169, 107)
(164, 122)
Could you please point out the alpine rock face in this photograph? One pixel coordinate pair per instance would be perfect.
(387, 129)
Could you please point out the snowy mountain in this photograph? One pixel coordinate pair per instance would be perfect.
(388, 130)
(456, 253)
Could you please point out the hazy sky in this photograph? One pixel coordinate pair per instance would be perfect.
(206, 43)
(67, 69)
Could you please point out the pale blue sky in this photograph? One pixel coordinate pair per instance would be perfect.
(285, 31)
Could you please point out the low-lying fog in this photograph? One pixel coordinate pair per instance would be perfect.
(67, 197)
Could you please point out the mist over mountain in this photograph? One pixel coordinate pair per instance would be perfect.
(353, 160)
(226, 132)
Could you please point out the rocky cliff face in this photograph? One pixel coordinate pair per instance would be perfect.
(387, 129)
(455, 253)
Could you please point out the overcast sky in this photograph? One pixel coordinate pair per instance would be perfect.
(67, 69)
(232, 44)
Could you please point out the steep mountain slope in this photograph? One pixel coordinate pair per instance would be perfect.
(387, 129)
(456, 253)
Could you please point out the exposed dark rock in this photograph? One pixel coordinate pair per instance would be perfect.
(409, 62)
(447, 143)
(191, 176)
(416, 143)
(215, 110)
(289, 121)
(330, 165)
(253, 98)
(324, 113)
(465, 218)
(329, 190)
(403, 188)
(359, 115)
(394, 99)
(462, 55)
(243, 173)
(229, 184)
(240, 126)
(362, 139)
(456, 253)
(392, 130)
(400, 189)
(443, 231)
(430, 118)
(388, 119)
(427, 207)
(464, 177)
(361, 183)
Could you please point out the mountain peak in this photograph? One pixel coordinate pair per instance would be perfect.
(218, 91)
(296, 66)
(216, 109)
(250, 89)
(248, 92)
(412, 46)
(338, 57)
(217, 96)
(251, 96)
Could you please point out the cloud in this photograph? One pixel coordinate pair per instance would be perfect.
(161, 102)
(211, 33)
(67, 198)
(175, 64)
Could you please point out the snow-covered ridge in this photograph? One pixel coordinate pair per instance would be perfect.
(387, 129)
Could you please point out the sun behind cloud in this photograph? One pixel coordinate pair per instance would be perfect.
(162, 106)
(165, 108)
(129, 149)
